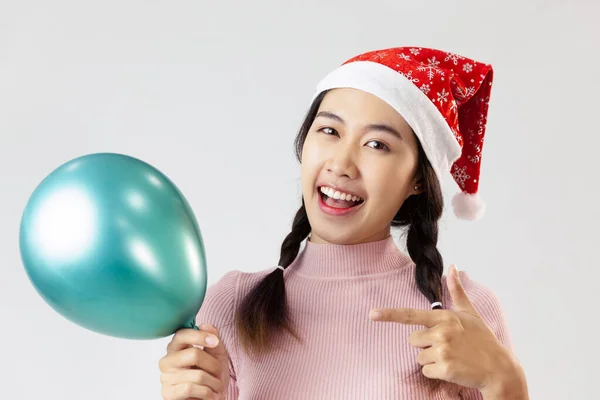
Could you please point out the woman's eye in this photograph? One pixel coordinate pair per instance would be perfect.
(381, 145)
(326, 129)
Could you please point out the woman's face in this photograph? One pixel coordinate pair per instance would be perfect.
(358, 145)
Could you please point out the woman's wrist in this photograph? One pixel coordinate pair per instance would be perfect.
(509, 383)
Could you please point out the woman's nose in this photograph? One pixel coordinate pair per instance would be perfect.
(342, 163)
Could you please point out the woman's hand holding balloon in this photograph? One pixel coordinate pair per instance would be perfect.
(188, 372)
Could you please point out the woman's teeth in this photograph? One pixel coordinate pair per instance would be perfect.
(337, 195)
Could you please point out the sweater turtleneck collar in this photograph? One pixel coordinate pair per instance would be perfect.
(353, 260)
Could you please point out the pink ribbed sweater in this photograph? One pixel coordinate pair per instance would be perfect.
(330, 291)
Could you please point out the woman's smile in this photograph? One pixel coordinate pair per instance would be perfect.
(334, 202)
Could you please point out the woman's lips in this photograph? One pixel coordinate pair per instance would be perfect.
(336, 211)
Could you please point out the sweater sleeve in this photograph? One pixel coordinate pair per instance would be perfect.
(218, 309)
(488, 306)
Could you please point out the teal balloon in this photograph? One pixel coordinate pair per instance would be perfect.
(111, 244)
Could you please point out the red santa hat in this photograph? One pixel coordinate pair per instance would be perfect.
(443, 96)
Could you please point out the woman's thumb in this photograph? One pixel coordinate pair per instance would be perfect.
(219, 350)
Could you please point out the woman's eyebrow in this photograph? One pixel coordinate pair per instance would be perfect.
(371, 127)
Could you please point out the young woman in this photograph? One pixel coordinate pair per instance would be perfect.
(349, 315)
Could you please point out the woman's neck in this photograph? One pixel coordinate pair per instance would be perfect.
(382, 235)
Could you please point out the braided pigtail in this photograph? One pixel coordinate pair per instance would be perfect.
(264, 310)
(421, 213)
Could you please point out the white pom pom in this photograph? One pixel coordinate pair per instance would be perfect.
(468, 206)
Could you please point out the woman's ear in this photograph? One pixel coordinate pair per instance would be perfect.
(417, 187)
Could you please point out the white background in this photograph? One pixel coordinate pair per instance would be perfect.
(212, 94)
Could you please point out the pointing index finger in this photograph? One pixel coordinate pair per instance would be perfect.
(410, 316)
